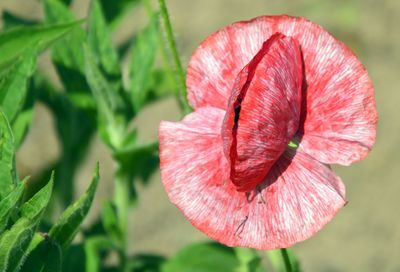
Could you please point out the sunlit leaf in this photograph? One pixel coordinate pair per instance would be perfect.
(15, 42)
(110, 221)
(65, 229)
(9, 204)
(203, 257)
(15, 241)
(8, 176)
(14, 85)
(36, 205)
(249, 260)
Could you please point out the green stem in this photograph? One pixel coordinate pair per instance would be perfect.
(121, 201)
(286, 260)
(179, 73)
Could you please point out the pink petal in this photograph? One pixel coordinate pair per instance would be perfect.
(339, 110)
(298, 198)
(263, 111)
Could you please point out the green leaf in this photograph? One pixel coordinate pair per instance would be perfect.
(15, 42)
(146, 262)
(115, 10)
(275, 257)
(138, 160)
(110, 221)
(8, 175)
(68, 54)
(142, 61)
(110, 104)
(249, 260)
(36, 205)
(75, 125)
(65, 229)
(14, 242)
(203, 257)
(93, 247)
(11, 20)
(9, 204)
(14, 85)
(46, 257)
(100, 42)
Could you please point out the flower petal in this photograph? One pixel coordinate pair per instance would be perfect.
(340, 114)
(297, 199)
(263, 111)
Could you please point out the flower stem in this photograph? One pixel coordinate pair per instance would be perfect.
(179, 73)
(286, 260)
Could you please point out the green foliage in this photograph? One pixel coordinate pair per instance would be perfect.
(8, 176)
(16, 42)
(8, 205)
(65, 229)
(275, 258)
(203, 257)
(142, 60)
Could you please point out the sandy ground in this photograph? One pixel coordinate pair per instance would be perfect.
(365, 235)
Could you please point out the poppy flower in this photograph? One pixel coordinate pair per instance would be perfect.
(277, 100)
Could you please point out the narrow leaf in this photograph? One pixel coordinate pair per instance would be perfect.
(69, 222)
(142, 61)
(15, 42)
(14, 243)
(36, 205)
(8, 176)
(9, 203)
(275, 257)
(46, 257)
(100, 41)
(14, 85)
(68, 54)
(11, 20)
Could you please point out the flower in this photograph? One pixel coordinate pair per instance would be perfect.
(277, 99)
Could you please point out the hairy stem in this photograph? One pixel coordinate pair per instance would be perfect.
(179, 73)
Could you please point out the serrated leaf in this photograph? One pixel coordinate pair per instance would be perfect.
(14, 85)
(9, 203)
(36, 205)
(65, 229)
(8, 176)
(45, 257)
(142, 61)
(68, 54)
(100, 42)
(203, 257)
(15, 42)
(14, 242)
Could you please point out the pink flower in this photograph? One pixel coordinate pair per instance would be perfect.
(277, 99)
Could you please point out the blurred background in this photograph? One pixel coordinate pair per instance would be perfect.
(365, 235)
